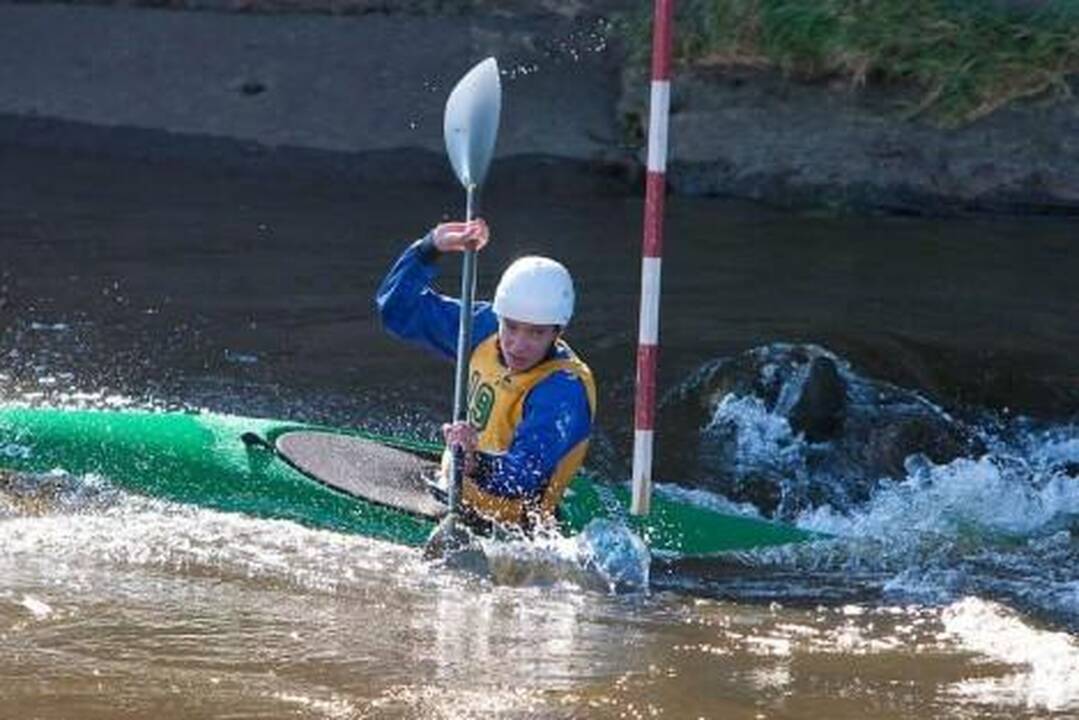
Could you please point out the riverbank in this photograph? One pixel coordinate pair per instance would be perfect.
(359, 77)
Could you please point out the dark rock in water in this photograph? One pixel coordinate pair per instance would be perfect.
(763, 377)
(786, 427)
(762, 490)
(888, 446)
(818, 412)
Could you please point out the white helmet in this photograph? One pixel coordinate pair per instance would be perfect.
(536, 290)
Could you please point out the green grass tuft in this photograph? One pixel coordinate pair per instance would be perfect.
(969, 57)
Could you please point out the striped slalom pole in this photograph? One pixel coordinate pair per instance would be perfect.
(651, 252)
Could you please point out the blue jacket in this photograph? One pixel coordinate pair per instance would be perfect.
(556, 413)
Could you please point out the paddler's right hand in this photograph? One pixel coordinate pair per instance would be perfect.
(462, 435)
(460, 236)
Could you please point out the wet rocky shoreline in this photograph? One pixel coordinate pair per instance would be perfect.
(368, 77)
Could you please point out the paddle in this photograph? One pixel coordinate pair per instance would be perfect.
(470, 125)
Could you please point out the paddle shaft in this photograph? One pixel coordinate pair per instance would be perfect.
(470, 127)
(464, 351)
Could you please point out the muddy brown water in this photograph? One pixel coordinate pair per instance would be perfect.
(246, 287)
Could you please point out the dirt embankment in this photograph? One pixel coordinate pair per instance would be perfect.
(370, 77)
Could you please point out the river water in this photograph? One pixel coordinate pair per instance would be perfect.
(169, 282)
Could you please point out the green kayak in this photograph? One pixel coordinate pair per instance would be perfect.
(338, 479)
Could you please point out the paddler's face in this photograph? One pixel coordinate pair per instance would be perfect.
(523, 344)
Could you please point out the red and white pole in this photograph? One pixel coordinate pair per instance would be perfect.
(651, 253)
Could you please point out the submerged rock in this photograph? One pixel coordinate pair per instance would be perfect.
(786, 427)
(820, 408)
(888, 446)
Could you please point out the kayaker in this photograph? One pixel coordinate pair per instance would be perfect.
(531, 399)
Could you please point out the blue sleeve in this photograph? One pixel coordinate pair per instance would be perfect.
(412, 310)
(556, 417)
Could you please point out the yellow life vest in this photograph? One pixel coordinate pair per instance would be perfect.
(496, 399)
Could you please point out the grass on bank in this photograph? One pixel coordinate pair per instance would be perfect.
(968, 57)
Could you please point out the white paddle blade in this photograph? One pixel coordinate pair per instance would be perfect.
(471, 122)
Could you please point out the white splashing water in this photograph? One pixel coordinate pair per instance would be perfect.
(38, 608)
(1013, 491)
(141, 532)
(962, 496)
(616, 553)
(1046, 663)
(605, 557)
(86, 521)
(705, 499)
(762, 438)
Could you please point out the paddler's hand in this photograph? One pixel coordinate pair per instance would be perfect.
(463, 435)
(460, 236)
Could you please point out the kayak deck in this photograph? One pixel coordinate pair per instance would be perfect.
(364, 468)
